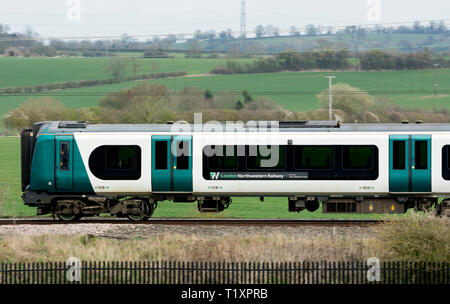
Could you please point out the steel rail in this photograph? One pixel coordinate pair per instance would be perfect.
(193, 222)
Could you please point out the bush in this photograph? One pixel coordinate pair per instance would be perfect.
(222, 70)
(347, 98)
(40, 109)
(414, 237)
(262, 103)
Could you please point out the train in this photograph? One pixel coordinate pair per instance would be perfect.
(74, 169)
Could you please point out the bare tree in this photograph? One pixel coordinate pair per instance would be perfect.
(116, 67)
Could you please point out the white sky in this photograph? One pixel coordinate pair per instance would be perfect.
(148, 17)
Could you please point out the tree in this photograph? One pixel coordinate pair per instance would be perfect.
(223, 35)
(208, 94)
(311, 30)
(259, 31)
(136, 105)
(292, 31)
(40, 109)
(4, 29)
(270, 30)
(351, 100)
(116, 67)
(194, 49)
(247, 97)
(127, 40)
(134, 66)
(239, 105)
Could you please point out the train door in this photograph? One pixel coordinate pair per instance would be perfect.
(171, 163)
(410, 163)
(64, 162)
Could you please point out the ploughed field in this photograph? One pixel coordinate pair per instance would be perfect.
(11, 204)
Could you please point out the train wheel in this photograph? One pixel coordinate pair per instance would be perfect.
(69, 217)
(145, 213)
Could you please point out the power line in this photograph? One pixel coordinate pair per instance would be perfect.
(119, 25)
(147, 13)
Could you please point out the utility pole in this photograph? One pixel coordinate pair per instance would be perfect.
(242, 39)
(435, 79)
(330, 88)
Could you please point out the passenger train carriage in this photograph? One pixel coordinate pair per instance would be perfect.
(76, 169)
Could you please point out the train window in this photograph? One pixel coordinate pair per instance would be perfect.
(161, 155)
(421, 154)
(120, 158)
(446, 162)
(398, 161)
(116, 162)
(358, 157)
(183, 153)
(64, 156)
(314, 157)
(277, 161)
(447, 148)
(223, 158)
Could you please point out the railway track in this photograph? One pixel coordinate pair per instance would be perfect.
(208, 222)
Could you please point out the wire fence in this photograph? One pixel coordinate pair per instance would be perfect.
(151, 272)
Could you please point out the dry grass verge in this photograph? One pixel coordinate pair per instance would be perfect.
(409, 238)
(181, 248)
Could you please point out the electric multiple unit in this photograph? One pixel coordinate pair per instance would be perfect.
(75, 169)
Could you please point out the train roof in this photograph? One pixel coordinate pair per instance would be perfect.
(289, 126)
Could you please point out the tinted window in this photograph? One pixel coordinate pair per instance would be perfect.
(183, 153)
(314, 157)
(278, 160)
(446, 162)
(224, 158)
(64, 155)
(421, 154)
(448, 156)
(116, 162)
(358, 157)
(120, 158)
(161, 155)
(398, 155)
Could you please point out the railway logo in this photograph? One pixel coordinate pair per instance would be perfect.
(214, 175)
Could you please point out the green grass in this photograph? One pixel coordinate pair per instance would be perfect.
(242, 207)
(33, 71)
(311, 82)
(11, 203)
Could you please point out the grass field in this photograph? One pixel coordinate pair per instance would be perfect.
(269, 84)
(32, 71)
(11, 204)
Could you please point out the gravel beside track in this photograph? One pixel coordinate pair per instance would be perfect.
(128, 230)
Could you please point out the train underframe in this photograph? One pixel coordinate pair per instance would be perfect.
(138, 208)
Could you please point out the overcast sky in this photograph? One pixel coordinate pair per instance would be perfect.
(149, 17)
